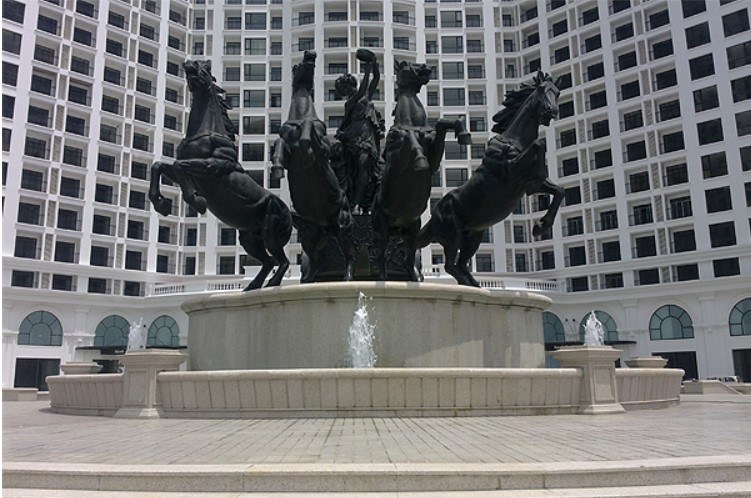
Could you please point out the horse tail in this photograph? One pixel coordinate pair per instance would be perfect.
(425, 236)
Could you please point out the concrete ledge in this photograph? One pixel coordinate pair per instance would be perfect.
(20, 394)
(645, 388)
(376, 477)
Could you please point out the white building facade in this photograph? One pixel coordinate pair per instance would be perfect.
(652, 147)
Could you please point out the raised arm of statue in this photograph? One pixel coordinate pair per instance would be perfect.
(374, 83)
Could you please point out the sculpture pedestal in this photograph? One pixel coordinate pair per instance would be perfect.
(646, 362)
(80, 368)
(599, 392)
(416, 325)
(140, 394)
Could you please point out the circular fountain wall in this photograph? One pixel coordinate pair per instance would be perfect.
(416, 325)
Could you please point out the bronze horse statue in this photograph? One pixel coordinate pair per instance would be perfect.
(412, 155)
(322, 211)
(210, 177)
(514, 165)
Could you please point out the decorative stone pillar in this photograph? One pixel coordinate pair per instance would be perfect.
(599, 392)
(140, 394)
(80, 368)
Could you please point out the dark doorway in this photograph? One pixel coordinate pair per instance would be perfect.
(685, 360)
(742, 364)
(31, 372)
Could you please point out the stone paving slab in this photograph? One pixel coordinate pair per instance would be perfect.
(32, 433)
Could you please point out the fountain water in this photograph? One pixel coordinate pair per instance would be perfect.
(137, 336)
(361, 353)
(594, 334)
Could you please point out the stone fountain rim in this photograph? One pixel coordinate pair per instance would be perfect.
(379, 290)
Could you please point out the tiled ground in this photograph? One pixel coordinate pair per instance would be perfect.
(31, 433)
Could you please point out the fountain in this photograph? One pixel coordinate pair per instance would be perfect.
(361, 334)
(594, 334)
(137, 336)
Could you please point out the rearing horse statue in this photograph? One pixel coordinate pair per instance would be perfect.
(210, 177)
(303, 150)
(514, 165)
(412, 154)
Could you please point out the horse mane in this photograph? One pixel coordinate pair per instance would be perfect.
(511, 104)
(217, 93)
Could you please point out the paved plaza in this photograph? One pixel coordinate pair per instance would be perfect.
(702, 429)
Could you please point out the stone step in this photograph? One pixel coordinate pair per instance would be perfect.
(353, 478)
(699, 490)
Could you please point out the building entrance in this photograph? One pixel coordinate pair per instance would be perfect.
(31, 372)
(685, 360)
(742, 364)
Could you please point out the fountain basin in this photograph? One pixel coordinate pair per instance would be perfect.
(416, 325)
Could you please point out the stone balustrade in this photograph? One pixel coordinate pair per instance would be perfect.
(97, 394)
(648, 387)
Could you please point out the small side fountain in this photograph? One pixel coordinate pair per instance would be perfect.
(137, 336)
(594, 333)
(361, 333)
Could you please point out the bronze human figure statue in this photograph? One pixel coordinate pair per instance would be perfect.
(360, 133)
(412, 154)
(514, 165)
(302, 149)
(210, 177)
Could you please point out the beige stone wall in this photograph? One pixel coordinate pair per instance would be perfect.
(648, 387)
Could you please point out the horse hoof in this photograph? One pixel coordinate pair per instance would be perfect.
(199, 204)
(464, 138)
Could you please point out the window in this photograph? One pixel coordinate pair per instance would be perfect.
(484, 263)
(565, 110)
(743, 123)
(600, 129)
(718, 199)
(10, 74)
(40, 328)
(574, 226)
(11, 42)
(624, 31)
(26, 247)
(189, 268)
(665, 79)
(97, 286)
(112, 331)
(255, 72)
(605, 189)
(598, 99)
(13, 11)
(608, 220)
(710, 131)
(254, 98)
(706, 98)
(722, 234)
(29, 213)
(680, 207)
(693, 7)
(232, 73)
(572, 196)
(676, 174)
(456, 177)
(569, 166)
(603, 159)
(595, 71)
(163, 331)
(672, 142)
(739, 55)
(714, 165)
(578, 284)
(65, 252)
(32, 180)
(649, 276)
(726, 267)
(567, 137)
(670, 322)
(253, 152)
(559, 28)
(626, 61)
(641, 214)
(698, 35)
(636, 151)
(592, 43)
(453, 70)
(735, 23)
(701, 67)
(739, 320)
(552, 328)
(102, 225)
(452, 44)
(255, 46)
(100, 256)
(104, 193)
(23, 279)
(632, 120)
(70, 187)
(682, 273)
(577, 256)
(741, 89)
(453, 97)
(645, 247)
(662, 49)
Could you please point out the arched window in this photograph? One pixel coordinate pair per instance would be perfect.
(740, 318)
(163, 331)
(670, 322)
(552, 327)
(40, 328)
(608, 324)
(112, 331)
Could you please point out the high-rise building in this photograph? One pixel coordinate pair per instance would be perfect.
(652, 147)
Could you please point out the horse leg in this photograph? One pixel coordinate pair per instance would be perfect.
(253, 244)
(409, 236)
(277, 159)
(311, 238)
(345, 225)
(557, 192)
(381, 240)
(161, 204)
(276, 232)
(469, 244)
(190, 194)
(419, 161)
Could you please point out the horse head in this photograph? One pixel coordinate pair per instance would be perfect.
(546, 97)
(198, 75)
(411, 75)
(302, 73)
